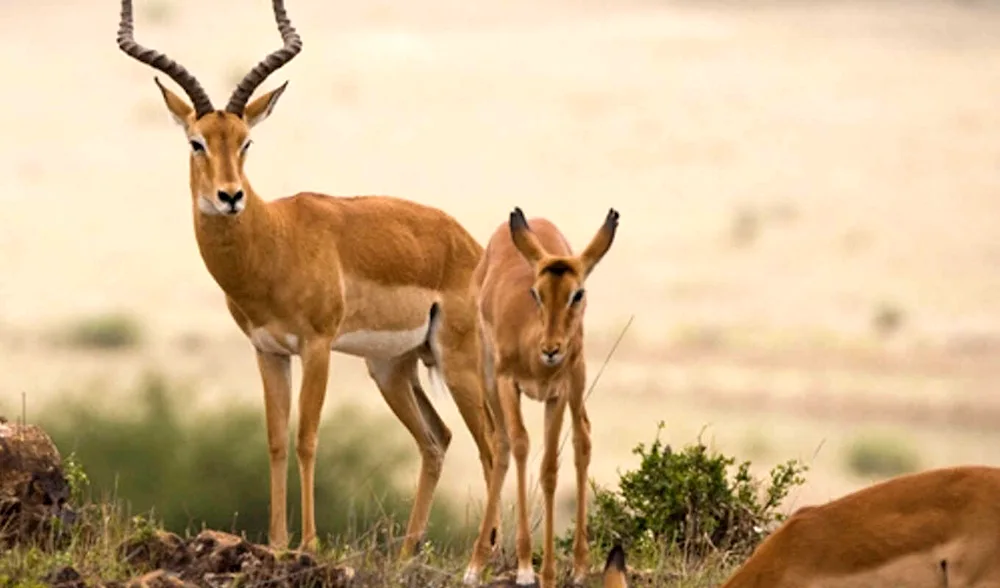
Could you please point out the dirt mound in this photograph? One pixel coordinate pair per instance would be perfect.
(34, 493)
(213, 559)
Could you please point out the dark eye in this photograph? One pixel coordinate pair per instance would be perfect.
(197, 147)
(576, 297)
(246, 146)
(536, 296)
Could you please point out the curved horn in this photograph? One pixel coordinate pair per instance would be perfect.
(270, 64)
(126, 42)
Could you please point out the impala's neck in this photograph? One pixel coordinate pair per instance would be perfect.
(239, 250)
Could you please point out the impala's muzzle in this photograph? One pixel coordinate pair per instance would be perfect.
(232, 202)
(552, 354)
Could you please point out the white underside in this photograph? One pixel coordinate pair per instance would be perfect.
(364, 343)
(380, 344)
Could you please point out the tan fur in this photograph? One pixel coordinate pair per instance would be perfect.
(936, 528)
(518, 328)
(309, 273)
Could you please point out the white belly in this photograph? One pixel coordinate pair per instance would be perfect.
(363, 343)
(380, 344)
(266, 342)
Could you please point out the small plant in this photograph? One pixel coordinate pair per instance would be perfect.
(106, 331)
(881, 455)
(76, 478)
(687, 502)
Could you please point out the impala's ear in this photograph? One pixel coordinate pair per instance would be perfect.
(180, 110)
(614, 568)
(524, 239)
(601, 242)
(261, 108)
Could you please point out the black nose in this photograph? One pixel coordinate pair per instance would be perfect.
(230, 199)
(552, 351)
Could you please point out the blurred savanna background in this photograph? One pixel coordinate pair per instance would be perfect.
(809, 239)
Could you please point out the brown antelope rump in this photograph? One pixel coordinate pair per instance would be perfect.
(376, 277)
(529, 288)
(939, 528)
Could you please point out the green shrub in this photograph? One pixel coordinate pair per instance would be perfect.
(107, 331)
(211, 469)
(880, 455)
(687, 502)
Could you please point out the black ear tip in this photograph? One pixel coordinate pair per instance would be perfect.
(616, 558)
(517, 219)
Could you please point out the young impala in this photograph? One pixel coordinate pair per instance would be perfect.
(939, 528)
(531, 304)
(376, 277)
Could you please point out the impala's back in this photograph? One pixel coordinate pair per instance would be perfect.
(937, 528)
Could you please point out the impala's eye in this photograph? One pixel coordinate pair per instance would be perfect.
(245, 146)
(196, 146)
(576, 297)
(536, 296)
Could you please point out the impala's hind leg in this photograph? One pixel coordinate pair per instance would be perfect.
(394, 379)
(459, 346)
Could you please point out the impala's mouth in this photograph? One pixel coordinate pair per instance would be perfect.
(552, 359)
(211, 207)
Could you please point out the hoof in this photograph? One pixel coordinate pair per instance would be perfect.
(471, 577)
(526, 577)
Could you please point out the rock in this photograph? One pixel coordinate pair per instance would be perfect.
(65, 577)
(34, 493)
(161, 550)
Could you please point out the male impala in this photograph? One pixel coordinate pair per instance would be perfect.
(939, 528)
(531, 305)
(377, 277)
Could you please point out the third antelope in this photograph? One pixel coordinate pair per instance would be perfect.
(937, 528)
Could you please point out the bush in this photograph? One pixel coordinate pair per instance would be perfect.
(196, 469)
(108, 331)
(881, 456)
(687, 502)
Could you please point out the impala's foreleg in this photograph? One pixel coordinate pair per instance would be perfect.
(315, 371)
(581, 459)
(555, 408)
(394, 380)
(276, 376)
(510, 397)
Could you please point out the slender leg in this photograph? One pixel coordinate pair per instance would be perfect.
(276, 376)
(394, 379)
(315, 370)
(554, 411)
(581, 459)
(488, 528)
(510, 396)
